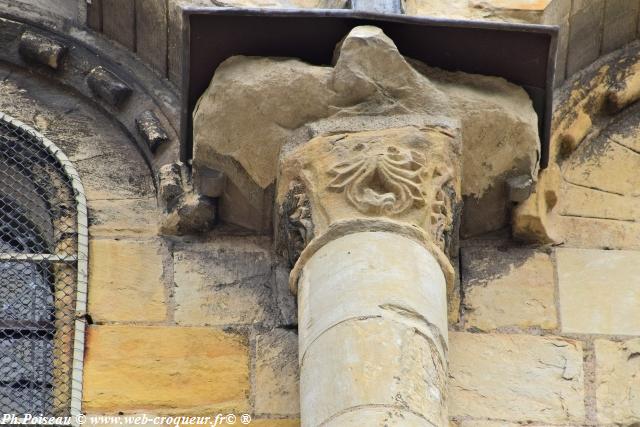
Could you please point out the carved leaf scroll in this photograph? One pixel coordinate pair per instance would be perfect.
(384, 181)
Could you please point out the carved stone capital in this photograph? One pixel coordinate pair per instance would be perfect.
(405, 178)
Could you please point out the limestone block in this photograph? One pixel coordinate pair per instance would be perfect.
(126, 280)
(124, 217)
(288, 101)
(493, 10)
(618, 382)
(118, 22)
(131, 179)
(191, 213)
(505, 288)
(151, 33)
(383, 358)
(224, 282)
(165, 369)
(94, 15)
(516, 378)
(611, 169)
(599, 291)
(170, 182)
(585, 34)
(277, 374)
(620, 23)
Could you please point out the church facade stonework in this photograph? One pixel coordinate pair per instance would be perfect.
(368, 242)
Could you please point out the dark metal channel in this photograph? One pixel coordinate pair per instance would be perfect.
(523, 54)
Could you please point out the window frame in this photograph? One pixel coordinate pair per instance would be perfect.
(82, 257)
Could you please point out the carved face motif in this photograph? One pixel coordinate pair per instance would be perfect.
(383, 180)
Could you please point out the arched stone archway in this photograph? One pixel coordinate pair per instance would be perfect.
(588, 197)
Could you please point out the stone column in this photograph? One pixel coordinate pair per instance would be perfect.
(370, 217)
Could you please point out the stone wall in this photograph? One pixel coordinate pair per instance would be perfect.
(588, 28)
(153, 29)
(545, 335)
(176, 325)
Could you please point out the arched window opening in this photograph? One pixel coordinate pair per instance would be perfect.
(43, 265)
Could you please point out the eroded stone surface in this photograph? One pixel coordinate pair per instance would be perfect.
(494, 10)
(286, 100)
(122, 274)
(124, 217)
(277, 374)
(508, 287)
(228, 281)
(383, 359)
(618, 381)
(138, 368)
(380, 275)
(516, 378)
(588, 195)
(599, 291)
(404, 176)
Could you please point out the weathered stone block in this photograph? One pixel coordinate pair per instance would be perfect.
(42, 50)
(118, 22)
(151, 130)
(125, 280)
(123, 217)
(94, 15)
(618, 382)
(620, 22)
(517, 378)
(224, 282)
(170, 182)
(585, 34)
(165, 369)
(611, 168)
(277, 373)
(599, 291)
(151, 33)
(107, 86)
(128, 180)
(510, 287)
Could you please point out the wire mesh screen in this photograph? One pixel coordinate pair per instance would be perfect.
(38, 274)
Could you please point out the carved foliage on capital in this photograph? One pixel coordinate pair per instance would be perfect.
(405, 175)
(381, 180)
(296, 222)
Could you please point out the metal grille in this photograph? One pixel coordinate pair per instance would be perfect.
(43, 253)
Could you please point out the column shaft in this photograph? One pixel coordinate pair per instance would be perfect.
(373, 334)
